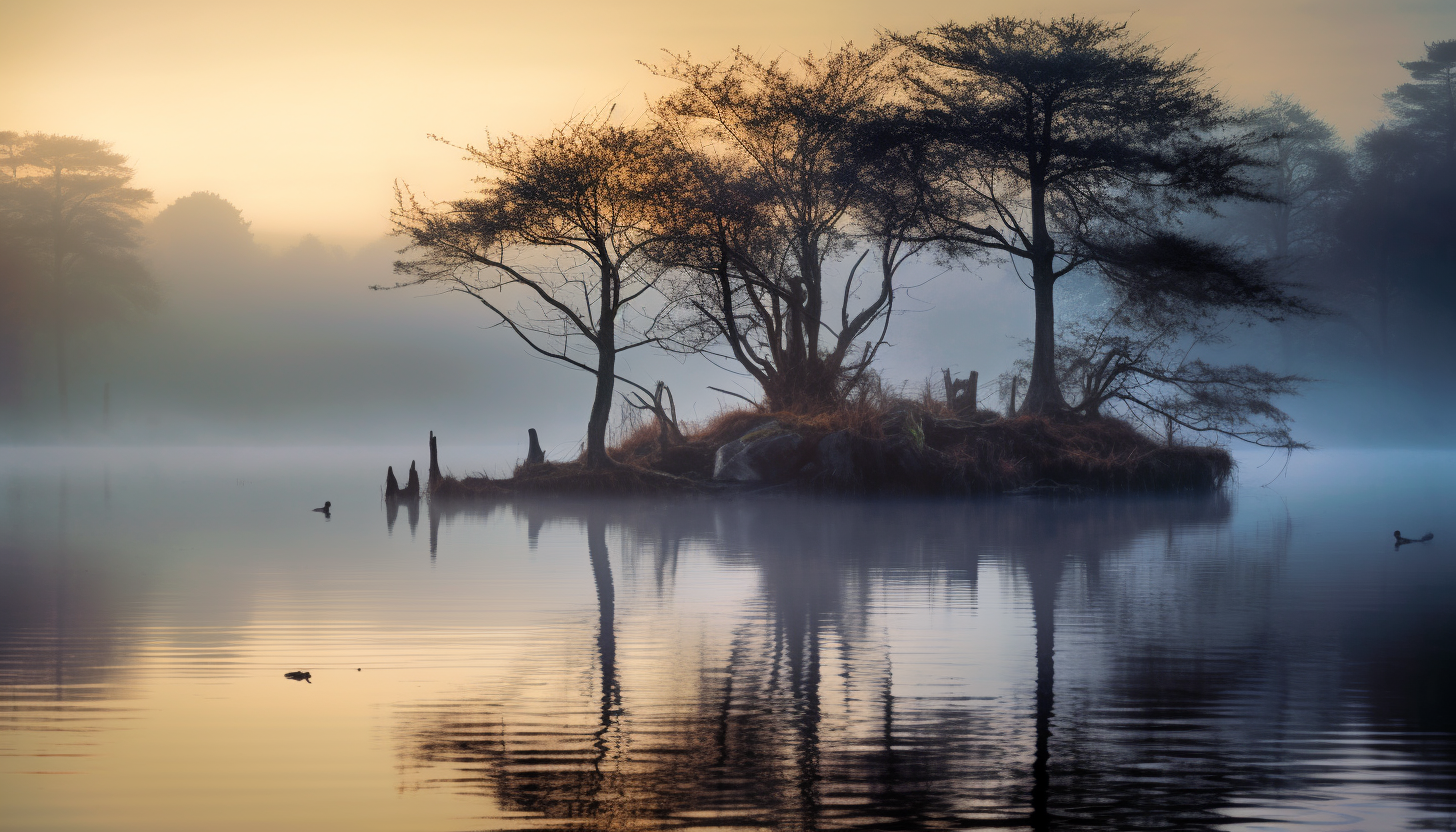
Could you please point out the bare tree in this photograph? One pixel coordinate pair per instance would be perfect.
(663, 408)
(1078, 144)
(555, 246)
(797, 168)
(1146, 372)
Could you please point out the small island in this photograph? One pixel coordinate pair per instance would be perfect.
(763, 213)
(907, 450)
(893, 446)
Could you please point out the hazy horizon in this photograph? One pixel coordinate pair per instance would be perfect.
(303, 114)
(302, 117)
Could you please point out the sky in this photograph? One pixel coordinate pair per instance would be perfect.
(303, 114)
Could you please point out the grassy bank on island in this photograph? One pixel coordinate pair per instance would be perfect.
(902, 448)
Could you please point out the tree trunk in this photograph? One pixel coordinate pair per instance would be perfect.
(58, 253)
(435, 476)
(1043, 390)
(606, 343)
(601, 412)
(61, 382)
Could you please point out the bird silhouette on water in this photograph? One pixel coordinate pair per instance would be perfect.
(325, 509)
(299, 676)
(1401, 541)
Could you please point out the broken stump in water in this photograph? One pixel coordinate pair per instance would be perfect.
(535, 455)
(412, 485)
(391, 485)
(435, 476)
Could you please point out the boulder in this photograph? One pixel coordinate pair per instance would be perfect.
(766, 454)
(837, 457)
(846, 462)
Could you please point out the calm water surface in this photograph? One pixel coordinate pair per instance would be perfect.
(1259, 660)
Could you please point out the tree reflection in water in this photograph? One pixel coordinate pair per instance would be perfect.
(757, 742)
(819, 664)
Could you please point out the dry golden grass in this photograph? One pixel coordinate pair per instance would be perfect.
(981, 453)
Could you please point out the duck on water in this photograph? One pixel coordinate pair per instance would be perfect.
(1401, 541)
(325, 509)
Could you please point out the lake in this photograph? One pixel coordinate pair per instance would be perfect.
(1259, 659)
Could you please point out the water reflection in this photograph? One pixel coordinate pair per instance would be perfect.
(60, 618)
(1180, 662)
(794, 720)
(412, 509)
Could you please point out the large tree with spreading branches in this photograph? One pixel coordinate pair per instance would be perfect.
(1076, 145)
(802, 191)
(555, 245)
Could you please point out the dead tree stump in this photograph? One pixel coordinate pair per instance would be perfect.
(960, 394)
(391, 485)
(435, 476)
(534, 455)
(412, 485)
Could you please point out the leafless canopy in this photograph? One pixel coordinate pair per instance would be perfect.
(1143, 369)
(555, 245)
(796, 167)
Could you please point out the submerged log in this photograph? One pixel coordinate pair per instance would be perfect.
(435, 475)
(535, 455)
(391, 485)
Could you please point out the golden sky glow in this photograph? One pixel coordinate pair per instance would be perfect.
(303, 113)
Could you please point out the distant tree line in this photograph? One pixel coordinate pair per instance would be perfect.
(69, 223)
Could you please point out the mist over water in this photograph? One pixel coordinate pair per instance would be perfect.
(1261, 659)
(1190, 228)
(254, 346)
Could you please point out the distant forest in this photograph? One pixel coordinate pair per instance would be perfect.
(770, 214)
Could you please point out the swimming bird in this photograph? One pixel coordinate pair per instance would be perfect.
(1401, 541)
(299, 676)
(325, 509)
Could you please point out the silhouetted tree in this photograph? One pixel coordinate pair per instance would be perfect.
(1394, 231)
(565, 222)
(1078, 145)
(1425, 108)
(202, 226)
(1305, 173)
(796, 167)
(70, 218)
